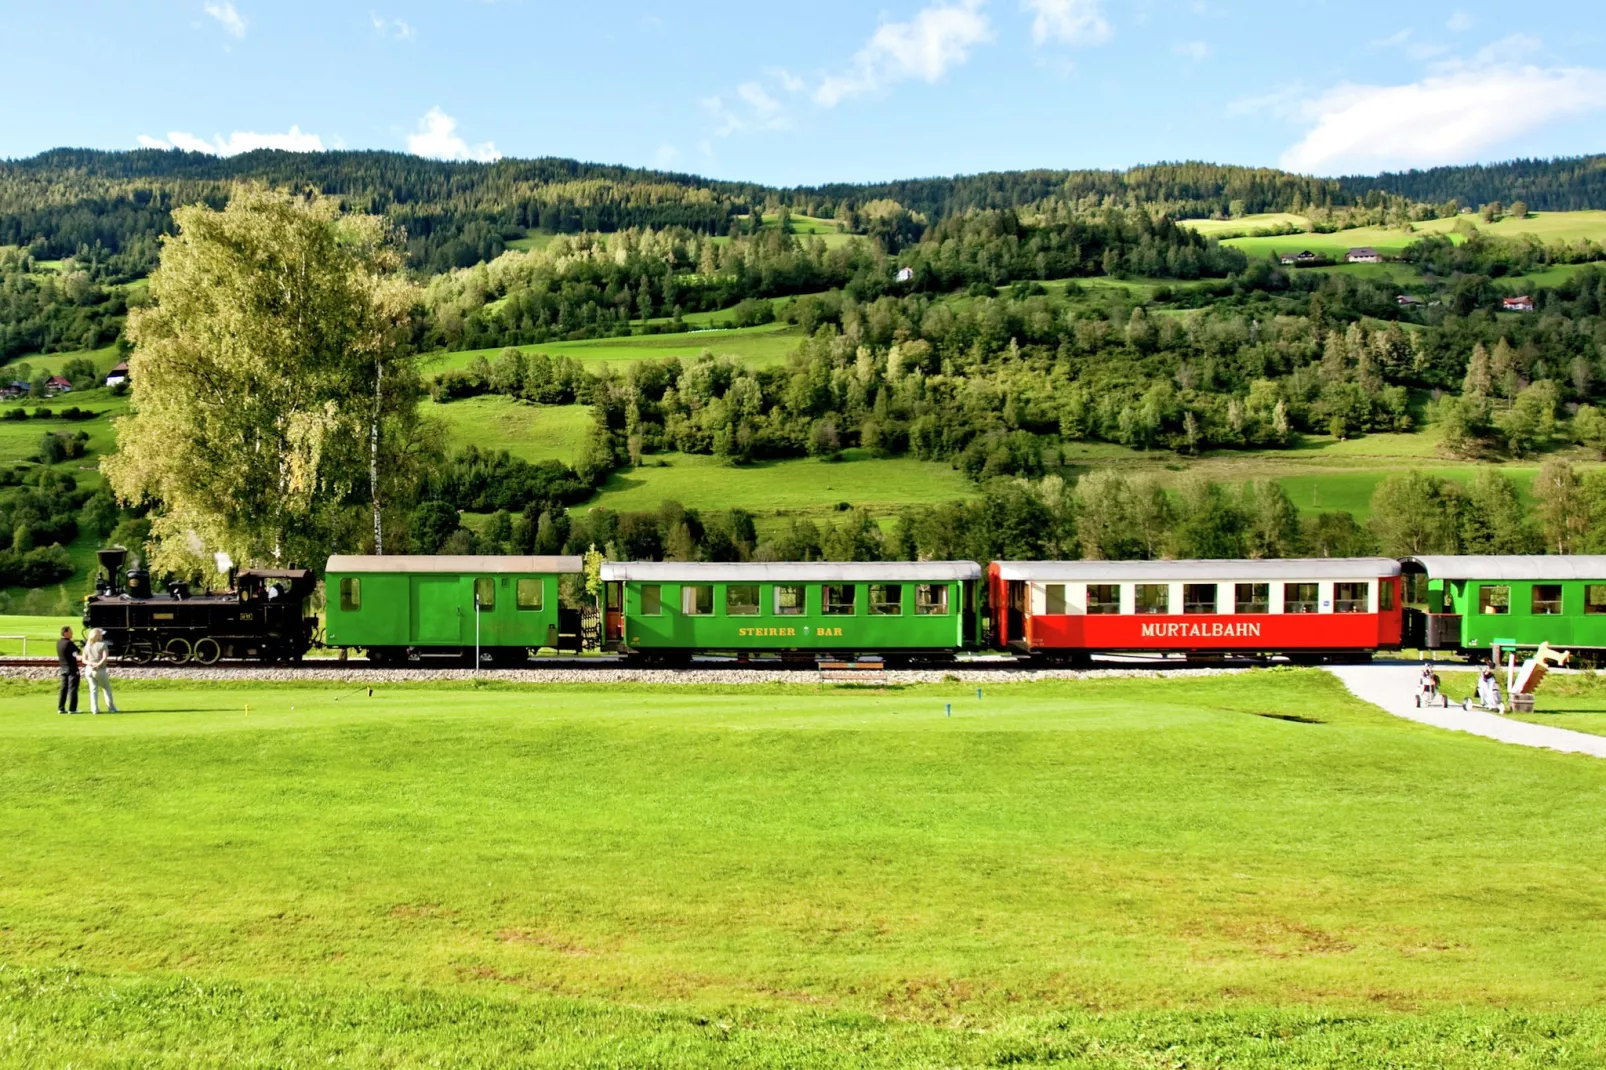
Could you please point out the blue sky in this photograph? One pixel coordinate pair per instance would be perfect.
(806, 93)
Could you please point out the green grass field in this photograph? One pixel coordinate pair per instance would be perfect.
(531, 432)
(1253, 871)
(1227, 228)
(768, 344)
(775, 489)
(1548, 226)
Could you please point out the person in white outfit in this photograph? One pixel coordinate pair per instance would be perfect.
(97, 656)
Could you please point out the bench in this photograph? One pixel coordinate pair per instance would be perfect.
(872, 672)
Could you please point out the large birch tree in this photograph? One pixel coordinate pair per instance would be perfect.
(274, 396)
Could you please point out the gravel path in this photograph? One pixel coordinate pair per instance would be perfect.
(704, 676)
(1393, 688)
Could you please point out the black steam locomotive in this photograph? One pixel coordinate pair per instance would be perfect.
(262, 617)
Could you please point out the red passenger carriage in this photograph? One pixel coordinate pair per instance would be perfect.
(1308, 609)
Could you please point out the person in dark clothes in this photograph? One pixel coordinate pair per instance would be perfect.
(67, 654)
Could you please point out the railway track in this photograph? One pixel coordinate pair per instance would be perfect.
(612, 663)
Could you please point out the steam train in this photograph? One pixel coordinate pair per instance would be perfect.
(500, 610)
(261, 617)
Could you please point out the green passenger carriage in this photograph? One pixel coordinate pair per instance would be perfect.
(405, 608)
(1473, 604)
(894, 607)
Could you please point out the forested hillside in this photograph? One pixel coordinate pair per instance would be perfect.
(996, 329)
(111, 206)
(1562, 185)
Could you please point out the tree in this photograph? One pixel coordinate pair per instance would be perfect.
(1563, 510)
(1495, 520)
(1271, 521)
(433, 522)
(1589, 428)
(1416, 513)
(271, 383)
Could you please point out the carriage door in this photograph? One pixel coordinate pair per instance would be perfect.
(613, 629)
(1015, 596)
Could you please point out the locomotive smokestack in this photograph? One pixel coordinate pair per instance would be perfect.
(111, 559)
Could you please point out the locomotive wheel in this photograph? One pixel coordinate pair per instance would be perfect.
(207, 651)
(177, 650)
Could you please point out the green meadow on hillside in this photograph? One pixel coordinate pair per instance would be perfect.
(769, 343)
(1391, 241)
(1247, 871)
(777, 489)
(527, 431)
(1219, 228)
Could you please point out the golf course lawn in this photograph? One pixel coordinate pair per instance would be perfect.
(1564, 700)
(1247, 870)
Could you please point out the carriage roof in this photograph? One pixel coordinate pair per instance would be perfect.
(1311, 568)
(791, 571)
(1517, 567)
(459, 564)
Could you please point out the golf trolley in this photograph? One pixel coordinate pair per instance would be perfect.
(1428, 693)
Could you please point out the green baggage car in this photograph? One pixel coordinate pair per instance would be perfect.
(1472, 604)
(409, 607)
(844, 608)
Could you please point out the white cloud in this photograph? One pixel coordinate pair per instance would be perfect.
(437, 137)
(1449, 117)
(789, 81)
(1071, 22)
(1194, 50)
(292, 140)
(937, 38)
(1393, 40)
(233, 22)
(665, 157)
(1459, 22)
(756, 112)
(399, 29)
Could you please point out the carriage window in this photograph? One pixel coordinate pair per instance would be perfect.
(652, 600)
(1104, 598)
(1054, 598)
(1595, 598)
(485, 593)
(350, 594)
(1350, 598)
(836, 599)
(1493, 601)
(697, 599)
(1252, 597)
(1300, 598)
(530, 594)
(1385, 596)
(931, 600)
(741, 600)
(1198, 598)
(886, 599)
(788, 601)
(1547, 599)
(1152, 598)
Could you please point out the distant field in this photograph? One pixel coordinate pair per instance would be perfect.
(104, 358)
(1549, 226)
(768, 344)
(40, 633)
(1244, 224)
(528, 431)
(531, 241)
(774, 489)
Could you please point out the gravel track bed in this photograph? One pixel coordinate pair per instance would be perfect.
(618, 676)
